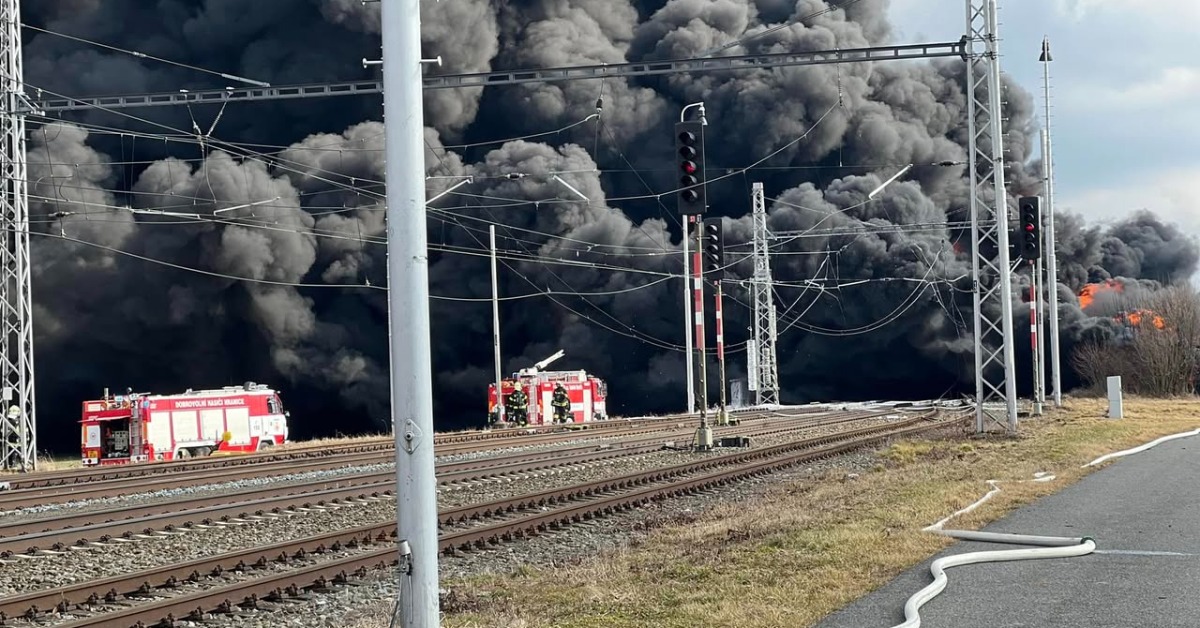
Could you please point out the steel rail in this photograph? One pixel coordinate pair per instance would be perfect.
(120, 486)
(111, 590)
(290, 584)
(208, 513)
(60, 533)
(540, 521)
(637, 478)
(115, 487)
(455, 440)
(383, 443)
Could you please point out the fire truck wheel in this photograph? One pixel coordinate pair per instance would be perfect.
(202, 452)
(184, 454)
(264, 445)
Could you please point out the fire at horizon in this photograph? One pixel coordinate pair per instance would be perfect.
(1088, 294)
(1133, 318)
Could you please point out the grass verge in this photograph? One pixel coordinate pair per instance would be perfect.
(810, 547)
(47, 461)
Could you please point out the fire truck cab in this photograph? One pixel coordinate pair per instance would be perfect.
(143, 427)
(588, 393)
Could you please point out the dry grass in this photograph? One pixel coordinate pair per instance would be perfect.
(332, 441)
(50, 462)
(810, 547)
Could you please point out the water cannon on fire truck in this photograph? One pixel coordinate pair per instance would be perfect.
(587, 393)
(537, 368)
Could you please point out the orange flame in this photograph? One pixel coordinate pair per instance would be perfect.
(1089, 292)
(1135, 318)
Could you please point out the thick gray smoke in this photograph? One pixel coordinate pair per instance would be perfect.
(463, 34)
(860, 315)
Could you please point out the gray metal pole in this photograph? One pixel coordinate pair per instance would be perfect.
(496, 327)
(704, 433)
(688, 323)
(1051, 243)
(408, 315)
(1002, 215)
(1039, 345)
(18, 430)
(995, 375)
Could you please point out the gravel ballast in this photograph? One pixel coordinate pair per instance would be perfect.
(573, 543)
(90, 505)
(22, 574)
(367, 605)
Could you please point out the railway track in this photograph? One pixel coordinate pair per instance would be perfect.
(452, 442)
(81, 529)
(46, 494)
(372, 547)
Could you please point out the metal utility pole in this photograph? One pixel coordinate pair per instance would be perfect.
(765, 364)
(704, 434)
(723, 413)
(1035, 336)
(713, 254)
(408, 315)
(496, 327)
(1039, 396)
(991, 269)
(687, 316)
(1051, 243)
(18, 417)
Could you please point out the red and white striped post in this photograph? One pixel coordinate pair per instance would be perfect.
(698, 314)
(722, 415)
(1033, 320)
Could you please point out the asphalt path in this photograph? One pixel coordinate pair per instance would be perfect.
(1143, 510)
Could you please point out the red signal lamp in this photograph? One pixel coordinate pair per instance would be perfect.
(689, 167)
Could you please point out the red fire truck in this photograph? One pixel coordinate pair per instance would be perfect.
(587, 393)
(142, 427)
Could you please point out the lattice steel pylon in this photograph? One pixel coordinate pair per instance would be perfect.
(765, 363)
(991, 269)
(18, 419)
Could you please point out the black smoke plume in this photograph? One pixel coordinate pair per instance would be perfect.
(129, 297)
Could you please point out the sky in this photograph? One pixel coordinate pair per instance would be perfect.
(1124, 94)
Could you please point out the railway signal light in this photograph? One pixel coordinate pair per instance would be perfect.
(1029, 235)
(713, 250)
(689, 151)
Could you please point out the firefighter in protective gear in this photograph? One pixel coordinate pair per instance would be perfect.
(561, 404)
(518, 406)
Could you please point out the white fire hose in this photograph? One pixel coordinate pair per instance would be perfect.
(1053, 546)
